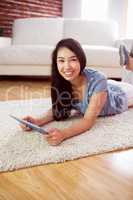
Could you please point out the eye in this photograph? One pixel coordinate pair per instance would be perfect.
(74, 59)
(60, 61)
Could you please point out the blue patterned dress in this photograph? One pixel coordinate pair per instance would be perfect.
(96, 82)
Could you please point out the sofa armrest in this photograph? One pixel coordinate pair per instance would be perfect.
(128, 42)
(5, 41)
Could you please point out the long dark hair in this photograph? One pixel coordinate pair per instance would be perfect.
(61, 89)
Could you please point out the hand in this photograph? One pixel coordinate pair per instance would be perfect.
(29, 119)
(54, 137)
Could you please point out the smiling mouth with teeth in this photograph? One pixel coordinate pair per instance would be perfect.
(68, 73)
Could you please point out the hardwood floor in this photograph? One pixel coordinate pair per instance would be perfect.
(102, 177)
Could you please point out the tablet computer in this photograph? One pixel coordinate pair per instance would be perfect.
(30, 125)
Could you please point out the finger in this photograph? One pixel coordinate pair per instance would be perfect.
(25, 128)
(29, 119)
(53, 143)
(53, 138)
(22, 126)
(28, 129)
(51, 130)
(26, 118)
(49, 136)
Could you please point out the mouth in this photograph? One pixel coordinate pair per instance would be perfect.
(69, 73)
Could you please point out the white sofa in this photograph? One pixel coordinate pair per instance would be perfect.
(34, 39)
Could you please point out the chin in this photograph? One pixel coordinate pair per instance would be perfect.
(67, 78)
(71, 78)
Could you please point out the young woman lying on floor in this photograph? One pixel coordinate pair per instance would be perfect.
(83, 89)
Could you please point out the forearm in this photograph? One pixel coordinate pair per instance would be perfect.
(79, 127)
(46, 118)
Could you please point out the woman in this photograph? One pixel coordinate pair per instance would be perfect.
(76, 87)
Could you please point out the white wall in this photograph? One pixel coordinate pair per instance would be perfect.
(95, 9)
(72, 8)
(117, 10)
(129, 32)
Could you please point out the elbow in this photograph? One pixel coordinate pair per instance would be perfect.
(88, 123)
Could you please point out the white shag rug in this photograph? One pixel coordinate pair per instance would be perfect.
(19, 149)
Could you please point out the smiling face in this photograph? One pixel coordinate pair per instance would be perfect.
(68, 64)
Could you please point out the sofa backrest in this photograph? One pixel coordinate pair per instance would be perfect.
(91, 32)
(48, 31)
(37, 31)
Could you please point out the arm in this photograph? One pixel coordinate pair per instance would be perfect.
(48, 117)
(95, 106)
(40, 121)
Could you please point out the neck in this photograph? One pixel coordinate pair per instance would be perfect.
(78, 81)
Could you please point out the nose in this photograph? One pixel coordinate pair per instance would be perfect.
(67, 65)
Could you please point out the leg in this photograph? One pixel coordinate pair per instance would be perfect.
(127, 88)
(127, 76)
(126, 58)
(129, 65)
(126, 61)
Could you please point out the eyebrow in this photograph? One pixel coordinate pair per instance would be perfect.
(69, 57)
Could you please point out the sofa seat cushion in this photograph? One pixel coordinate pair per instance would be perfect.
(26, 54)
(101, 56)
(41, 55)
